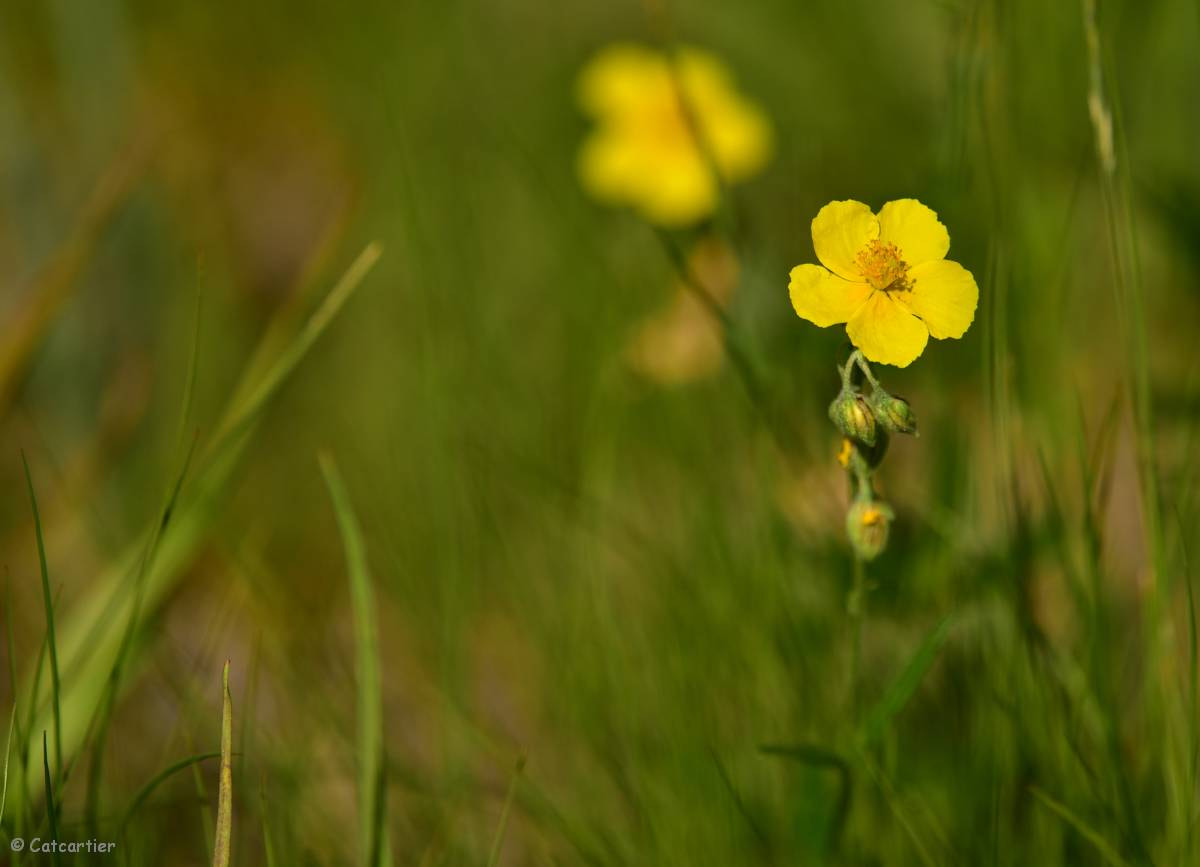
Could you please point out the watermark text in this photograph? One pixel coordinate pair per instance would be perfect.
(42, 846)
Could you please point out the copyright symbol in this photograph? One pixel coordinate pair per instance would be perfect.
(16, 844)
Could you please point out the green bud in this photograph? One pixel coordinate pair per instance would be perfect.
(893, 413)
(867, 525)
(852, 415)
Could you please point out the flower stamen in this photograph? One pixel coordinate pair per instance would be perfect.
(881, 266)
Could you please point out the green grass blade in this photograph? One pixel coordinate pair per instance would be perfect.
(268, 844)
(224, 837)
(1112, 152)
(90, 638)
(109, 702)
(810, 754)
(898, 810)
(1102, 846)
(48, 602)
(51, 808)
(1193, 671)
(8, 638)
(189, 382)
(12, 721)
(498, 840)
(371, 762)
(820, 757)
(147, 790)
(744, 810)
(242, 414)
(206, 814)
(25, 735)
(22, 744)
(905, 685)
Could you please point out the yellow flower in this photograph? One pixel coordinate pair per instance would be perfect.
(662, 125)
(888, 279)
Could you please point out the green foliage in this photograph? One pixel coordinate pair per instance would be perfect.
(638, 594)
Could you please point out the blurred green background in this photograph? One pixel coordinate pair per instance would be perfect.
(629, 585)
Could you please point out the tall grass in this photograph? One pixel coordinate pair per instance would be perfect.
(372, 759)
(51, 643)
(222, 850)
(540, 610)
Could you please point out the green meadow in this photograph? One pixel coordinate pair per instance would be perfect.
(515, 518)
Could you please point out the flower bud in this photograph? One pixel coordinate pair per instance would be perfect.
(852, 415)
(867, 525)
(893, 413)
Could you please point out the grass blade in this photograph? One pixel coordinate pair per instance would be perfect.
(892, 797)
(371, 763)
(744, 809)
(48, 602)
(820, 757)
(206, 814)
(22, 744)
(1102, 846)
(91, 637)
(12, 721)
(51, 809)
(243, 413)
(224, 838)
(905, 685)
(147, 790)
(1194, 699)
(268, 845)
(169, 504)
(1112, 152)
(498, 840)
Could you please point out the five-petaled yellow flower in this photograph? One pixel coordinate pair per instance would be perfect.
(888, 279)
(663, 123)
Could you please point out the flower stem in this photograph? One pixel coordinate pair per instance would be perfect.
(845, 371)
(858, 358)
(739, 356)
(856, 607)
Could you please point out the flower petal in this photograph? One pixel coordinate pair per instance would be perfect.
(675, 192)
(944, 295)
(621, 78)
(825, 299)
(734, 130)
(915, 229)
(886, 332)
(673, 189)
(607, 162)
(839, 231)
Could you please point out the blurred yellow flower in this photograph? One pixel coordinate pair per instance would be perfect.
(662, 125)
(886, 276)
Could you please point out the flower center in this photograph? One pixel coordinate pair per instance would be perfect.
(871, 517)
(881, 266)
